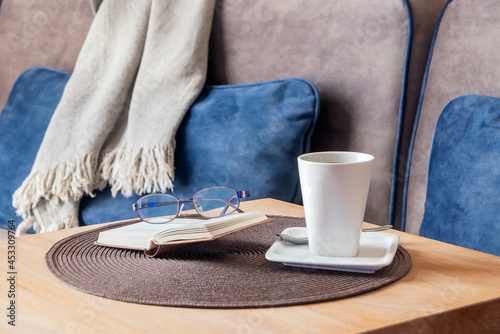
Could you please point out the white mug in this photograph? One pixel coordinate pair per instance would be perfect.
(334, 191)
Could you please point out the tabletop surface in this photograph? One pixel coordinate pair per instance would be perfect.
(448, 289)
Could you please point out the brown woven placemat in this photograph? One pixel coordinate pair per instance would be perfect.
(230, 272)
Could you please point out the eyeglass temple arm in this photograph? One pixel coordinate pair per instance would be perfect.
(239, 194)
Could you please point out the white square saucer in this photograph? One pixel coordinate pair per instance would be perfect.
(376, 250)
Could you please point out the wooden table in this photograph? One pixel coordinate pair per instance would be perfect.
(448, 289)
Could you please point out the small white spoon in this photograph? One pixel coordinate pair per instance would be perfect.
(303, 240)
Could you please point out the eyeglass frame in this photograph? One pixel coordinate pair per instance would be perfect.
(239, 194)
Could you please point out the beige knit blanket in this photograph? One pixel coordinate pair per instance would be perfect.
(141, 67)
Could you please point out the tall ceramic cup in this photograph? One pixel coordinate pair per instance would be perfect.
(334, 191)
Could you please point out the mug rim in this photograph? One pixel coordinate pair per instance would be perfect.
(366, 157)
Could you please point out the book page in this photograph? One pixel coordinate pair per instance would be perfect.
(238, 222)
(138, 235)
(210, 228)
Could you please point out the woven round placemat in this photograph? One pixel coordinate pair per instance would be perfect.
(230, 272)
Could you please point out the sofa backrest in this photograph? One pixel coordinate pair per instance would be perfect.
(353, 51)
(424, 16)
(464, 60)
(46, 33)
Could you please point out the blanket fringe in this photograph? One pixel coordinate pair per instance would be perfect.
(144, 170)
(67, 181)
(63, 223)
(25, 225)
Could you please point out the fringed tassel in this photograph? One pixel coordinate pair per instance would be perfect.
(31, 221)
(67, 181)
(144, 170)
(63, 223)
(25, 225)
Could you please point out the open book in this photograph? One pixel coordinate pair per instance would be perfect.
(155, 239)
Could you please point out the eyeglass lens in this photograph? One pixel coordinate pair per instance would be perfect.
(216, 201)
(210, 202)
(158, 209)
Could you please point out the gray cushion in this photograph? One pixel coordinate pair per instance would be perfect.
(464, 61)
(354, 52)
(40, 33)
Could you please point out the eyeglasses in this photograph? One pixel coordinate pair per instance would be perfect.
(210, 203)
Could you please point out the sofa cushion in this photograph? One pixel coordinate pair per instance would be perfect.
(23, 122)
(244, 136)
(463, 183)
(354, 51)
